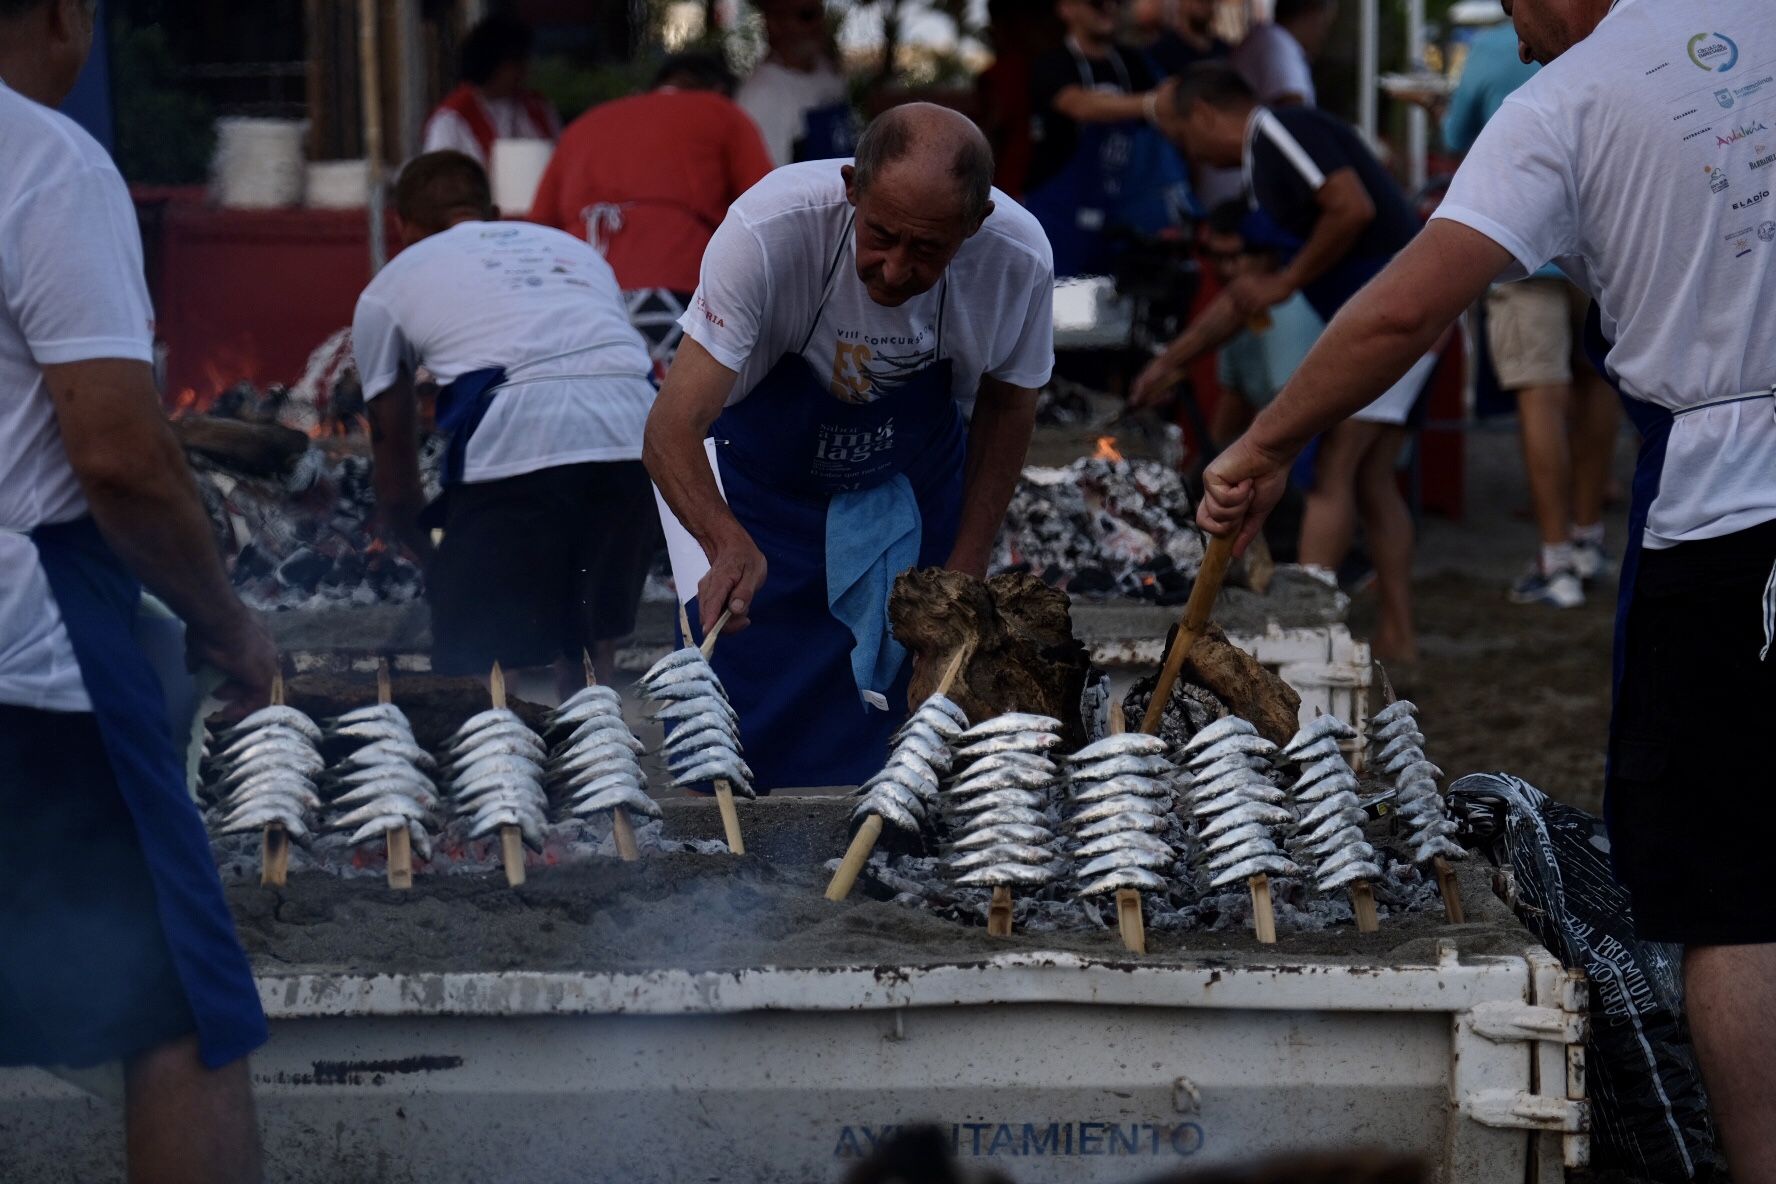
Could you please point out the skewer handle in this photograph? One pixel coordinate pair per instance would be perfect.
(1130, 921)
(999, 913)
(400, 858)
(586, 665)
(384, 688)
(277, 686)
(512, 854)
(496, 685)
(1190, 627)
(274, 856)
(954, 670)
(1363, 902)
(724, 798)
(624, 832)
(855, 857)
(1451, 890)
(1264, 922)
(721, 622)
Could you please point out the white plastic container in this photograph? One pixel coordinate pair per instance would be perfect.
(1050, 1066)
(258, 163)
(338, 184)
(516, 171)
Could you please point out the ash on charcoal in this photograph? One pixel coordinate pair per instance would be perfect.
(1104, 528)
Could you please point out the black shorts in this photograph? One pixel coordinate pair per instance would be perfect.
(540, 566)
(1689, 804)
(85, 973)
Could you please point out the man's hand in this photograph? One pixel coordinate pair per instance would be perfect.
(1154, 383)
(970, 561)
(736, 571)
(1240, 489)
(247, 657)
(1256, 295)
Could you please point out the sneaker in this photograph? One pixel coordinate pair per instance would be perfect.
(1560, 588)
(1590, 561)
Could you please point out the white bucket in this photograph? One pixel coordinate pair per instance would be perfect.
(338, 184)
(258, 162)
(517, 169)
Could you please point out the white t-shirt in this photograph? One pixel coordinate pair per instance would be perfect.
(777, 98)
(1643, 162)
(764, 279)
(1273, 63)
(510, 119)
(542, 304)
(71, 290)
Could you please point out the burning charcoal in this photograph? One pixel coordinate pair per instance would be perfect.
(305, 569)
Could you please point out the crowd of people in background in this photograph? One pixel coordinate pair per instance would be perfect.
(1117, 123)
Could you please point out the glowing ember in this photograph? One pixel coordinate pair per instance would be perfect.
(1107, 449)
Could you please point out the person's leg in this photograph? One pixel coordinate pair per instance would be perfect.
(1329, 517)
(1730, 998)
(1387, 527)
(187, 1124)
(1594, 426)
(1541, 421)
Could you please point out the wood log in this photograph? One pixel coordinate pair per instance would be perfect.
(253, 449)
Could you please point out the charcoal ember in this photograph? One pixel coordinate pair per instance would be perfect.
(1092, 581)
(1192, 708)
(304, 570)
(251, 564)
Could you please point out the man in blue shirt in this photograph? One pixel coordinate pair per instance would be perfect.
(1567, 415)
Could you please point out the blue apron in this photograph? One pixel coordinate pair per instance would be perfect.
(828, 133)
(784, 451)
(98, 597)
(1120, 175)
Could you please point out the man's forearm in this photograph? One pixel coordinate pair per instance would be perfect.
(998, 439)
(1094, 106)
(674, 454)
(1217, 325)
(394, 451)
(153, 518)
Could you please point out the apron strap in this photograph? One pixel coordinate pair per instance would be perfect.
(826, 287)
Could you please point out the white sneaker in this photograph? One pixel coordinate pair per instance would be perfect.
(1560, 588)
(1590, 560)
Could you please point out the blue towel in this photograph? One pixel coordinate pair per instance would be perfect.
(872, 535)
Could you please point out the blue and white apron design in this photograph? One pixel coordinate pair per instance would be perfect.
(98, 599)
(784, 451)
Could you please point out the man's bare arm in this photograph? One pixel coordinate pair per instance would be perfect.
(1387, 327)
(693, 395)
(1085, 105)
(1346, 210)
(998, 439)
(146, 505)
(1213, 328)
(394, 448)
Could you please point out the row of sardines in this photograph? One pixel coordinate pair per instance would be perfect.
(364, 774)
(1008, 809)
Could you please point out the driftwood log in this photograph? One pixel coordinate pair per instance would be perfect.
(1234, 680)
(1023, 654)
(257, 449)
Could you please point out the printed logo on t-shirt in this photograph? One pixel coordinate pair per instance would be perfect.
(1753, 200)
(1764, 158)
(1717, 179)
(1744, 132)
(867, 366)
(1767, 232)
(1714, 52)
(1724, 98)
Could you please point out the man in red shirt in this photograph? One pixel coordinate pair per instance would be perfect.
(492, 102)
(647, 179)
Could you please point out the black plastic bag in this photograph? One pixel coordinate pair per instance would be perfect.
(1649, 1111)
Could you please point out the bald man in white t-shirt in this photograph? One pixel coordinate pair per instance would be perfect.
(1641, 160)
(864, 349)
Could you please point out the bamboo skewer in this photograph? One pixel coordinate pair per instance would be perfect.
(274, 843)
(1190, 627)
(511, 839)
(1447, 885)
(724, 792)
(1129, 921)
(863, 844)
(622, 827)
(999, 913)
(398, 841)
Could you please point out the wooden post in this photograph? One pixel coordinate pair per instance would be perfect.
(511, 839)
(1451, 890)
(1190, 627)
(724, 800)
(999, 913)
(274, 856)
(1264, 922)
(624, 832)
(1363, 902)
(1130, 921)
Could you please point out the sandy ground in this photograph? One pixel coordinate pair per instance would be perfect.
(1504, 687)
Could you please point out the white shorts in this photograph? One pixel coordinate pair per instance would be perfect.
(1395, 405)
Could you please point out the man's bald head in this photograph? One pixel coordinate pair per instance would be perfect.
(921, 185)
(929, 148)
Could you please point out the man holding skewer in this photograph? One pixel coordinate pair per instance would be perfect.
(849, 317)
(1638, 161)
(115, 940)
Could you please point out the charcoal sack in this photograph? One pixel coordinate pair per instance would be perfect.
(1649, 1111)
